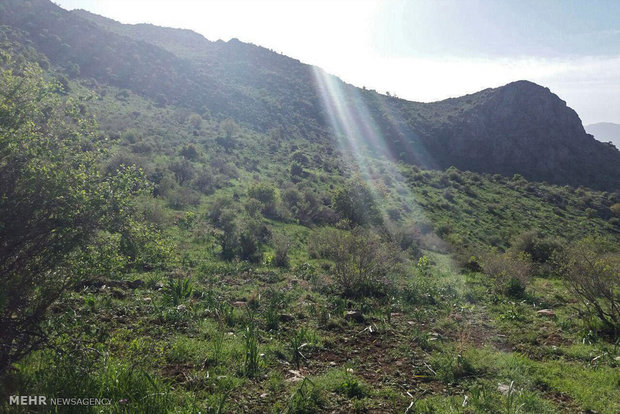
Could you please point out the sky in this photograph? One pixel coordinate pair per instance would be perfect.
(424, 50)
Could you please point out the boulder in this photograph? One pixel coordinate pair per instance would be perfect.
(355, 316)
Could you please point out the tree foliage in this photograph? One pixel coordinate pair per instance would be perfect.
(60, 217)
(591, 269)
(356, 203)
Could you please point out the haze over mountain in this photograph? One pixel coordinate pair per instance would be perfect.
(521, 128)
(605, 132)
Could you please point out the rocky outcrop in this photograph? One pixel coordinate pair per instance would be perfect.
(522, 128)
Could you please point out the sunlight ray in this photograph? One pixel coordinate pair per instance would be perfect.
(361, 140)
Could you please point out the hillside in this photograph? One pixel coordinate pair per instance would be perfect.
(605, 132)
(193, 226)
(519, 128)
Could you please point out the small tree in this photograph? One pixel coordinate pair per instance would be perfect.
(591, 269)
(229, 129)
(539, 248)
(248, 245)
(268, 196)
(229, 236)
(190, 152)
(60, 217)
(183, 170)
(195, 121)
(355, 202)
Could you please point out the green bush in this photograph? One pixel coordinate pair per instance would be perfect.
(362, 262)
(61, 218)
(281, 244)
(511, 272)
(356, 203)
(268, 196)
(591, 269)
(540, 249)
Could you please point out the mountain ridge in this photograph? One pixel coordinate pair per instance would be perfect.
(520, 128)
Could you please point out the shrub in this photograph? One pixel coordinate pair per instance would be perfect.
(152, 211)
(229, 128)
(60, 218)
(195, 121)
(267, 195)
(281, 244)
(296, 170)
(229, 235)
(356, 203)
(421, 291)
(406, 236)
(182, 197)
(252, 207)
(121, 160)
(221, 208)
(590, 213)
(190, 152)
(248, 246)
(308, 209)
(319, 242)
(510, 271)
(183, 170)
(204, 181)
(241, 238)
(539, 249)
(472, 264)
(362, 262)
(591, 269)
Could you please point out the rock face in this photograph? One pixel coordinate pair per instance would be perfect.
(522, 128)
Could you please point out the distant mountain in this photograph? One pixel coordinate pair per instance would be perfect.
(605, 132)
(518, 128)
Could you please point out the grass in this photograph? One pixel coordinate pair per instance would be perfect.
(448, 351)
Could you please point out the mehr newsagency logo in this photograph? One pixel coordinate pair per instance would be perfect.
(44, 400)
